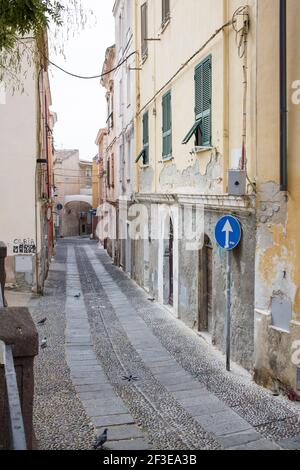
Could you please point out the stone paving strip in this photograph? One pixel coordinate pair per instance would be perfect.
(167, 424)
(100, 402)
(276, 419)
(60, 421)
(229, 429)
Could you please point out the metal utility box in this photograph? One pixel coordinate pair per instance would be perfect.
(237, 180)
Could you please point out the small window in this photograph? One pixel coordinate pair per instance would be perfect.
(144, 30)
(165, 11)
(128, 160)
(166, 126)
(144, 154)
(112, 170)
(128, 86)
(146, 137)
(121, 97)
(108, 172)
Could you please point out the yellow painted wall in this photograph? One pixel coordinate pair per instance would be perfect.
(282, 250)
(192, 23)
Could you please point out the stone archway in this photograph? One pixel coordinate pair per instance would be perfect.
(76, 219)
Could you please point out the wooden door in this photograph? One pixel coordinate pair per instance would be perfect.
(205, 286)
(171, 263)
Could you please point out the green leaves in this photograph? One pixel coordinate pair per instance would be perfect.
(23, 17)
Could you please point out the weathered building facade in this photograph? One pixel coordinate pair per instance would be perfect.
(124, 109)
(208, 142)
(190, 133)
(106, 141)
(277, 273)
(26, 125)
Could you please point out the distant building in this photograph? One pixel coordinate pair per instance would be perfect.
(73, 194)
(107, 147)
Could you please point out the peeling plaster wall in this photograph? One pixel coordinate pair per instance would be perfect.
(277, 293)
(275, 290)
(186, 297)
(242, 338)
(203, 176)
(275, 249)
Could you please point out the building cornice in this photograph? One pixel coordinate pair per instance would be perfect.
(218, 202)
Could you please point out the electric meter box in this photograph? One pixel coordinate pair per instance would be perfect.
(237, 182)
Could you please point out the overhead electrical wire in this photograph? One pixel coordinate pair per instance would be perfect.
(83, 77)
(94, 76)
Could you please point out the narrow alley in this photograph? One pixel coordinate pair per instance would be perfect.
(117, 360)
(149, 228)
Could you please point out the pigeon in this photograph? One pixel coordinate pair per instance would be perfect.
(42, 322)
(101, 440)
(151, 299)
(44, 343)
(77, 296)
(130, 378)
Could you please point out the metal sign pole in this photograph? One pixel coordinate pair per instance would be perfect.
(228, 234)
(228, 310)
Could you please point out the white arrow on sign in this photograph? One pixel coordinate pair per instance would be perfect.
(227, 229)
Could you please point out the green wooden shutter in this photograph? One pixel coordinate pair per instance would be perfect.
(167, 125)
(203, 92)
(198, 92)
(165, 11)
(144, 29)
(146, 137)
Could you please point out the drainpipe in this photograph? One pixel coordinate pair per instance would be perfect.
(283, 99)
(137, 95)
(225, 97)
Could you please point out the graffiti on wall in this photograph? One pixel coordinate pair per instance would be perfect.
(24, 246)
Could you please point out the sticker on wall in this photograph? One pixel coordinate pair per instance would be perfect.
(24, 246)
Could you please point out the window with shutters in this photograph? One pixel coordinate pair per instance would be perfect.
(146, 138)
(201, 129)
(167, 126)
(165, 12)
(112, 169)
(144, 30)
(144, 154)
(128, 87)
(108, 172)
(203, 87)
(120, 97)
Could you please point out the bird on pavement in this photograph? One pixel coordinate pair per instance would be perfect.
(44, 343)
(101, 440)
(77, 296)
(42, 322)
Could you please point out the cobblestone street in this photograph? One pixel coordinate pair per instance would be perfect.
(115, 359)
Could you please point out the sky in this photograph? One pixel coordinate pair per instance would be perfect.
(80, 104)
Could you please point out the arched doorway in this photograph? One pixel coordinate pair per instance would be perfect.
(205, 286)
(76, 219)
(169, 265)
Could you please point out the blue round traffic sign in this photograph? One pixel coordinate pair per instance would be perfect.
(228, 232)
